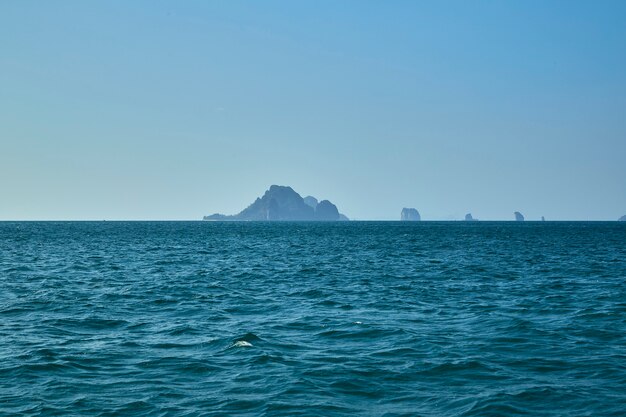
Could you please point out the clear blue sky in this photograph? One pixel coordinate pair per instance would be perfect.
(174, 110)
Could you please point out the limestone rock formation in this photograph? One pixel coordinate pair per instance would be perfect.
(410, 215)
(281, 203)
(622, 219)
(519, 217)
(469, 218)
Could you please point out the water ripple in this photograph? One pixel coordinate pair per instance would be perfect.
(389, 319)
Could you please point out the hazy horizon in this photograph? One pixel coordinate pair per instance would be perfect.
(159, 110)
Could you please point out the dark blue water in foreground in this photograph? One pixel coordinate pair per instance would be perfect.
(192, 318)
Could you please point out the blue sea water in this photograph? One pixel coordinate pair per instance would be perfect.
(328, 319)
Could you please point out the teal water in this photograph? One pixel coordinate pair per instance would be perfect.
(358, 318)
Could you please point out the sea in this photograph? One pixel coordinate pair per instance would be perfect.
(312, 319)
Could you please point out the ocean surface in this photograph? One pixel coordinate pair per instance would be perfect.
(324, 319)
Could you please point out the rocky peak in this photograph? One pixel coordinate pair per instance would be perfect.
(311, 201)
(326, 211)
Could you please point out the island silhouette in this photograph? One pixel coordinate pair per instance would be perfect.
(282, 203)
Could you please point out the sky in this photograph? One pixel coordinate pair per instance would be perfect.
(150, 110)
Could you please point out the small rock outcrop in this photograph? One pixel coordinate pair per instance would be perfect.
(543, 219)
(216, 217)
(622, 219)
(519, 217)
(410, 215)
(469, 218)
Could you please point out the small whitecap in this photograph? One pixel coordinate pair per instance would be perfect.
(242, 343)
(358, 322)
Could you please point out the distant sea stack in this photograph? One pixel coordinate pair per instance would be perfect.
(469, 218)
(622, 219)
(281, 203)
(519, 217)
(543, 219)
(410, 215)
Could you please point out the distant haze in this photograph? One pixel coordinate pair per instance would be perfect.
(175, 110)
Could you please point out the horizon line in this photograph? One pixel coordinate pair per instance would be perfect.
(308, 221)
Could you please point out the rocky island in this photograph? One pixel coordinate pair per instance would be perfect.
(469, 218)
(281, 203)
(410, 215)
(622, 219)
(519, 217)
